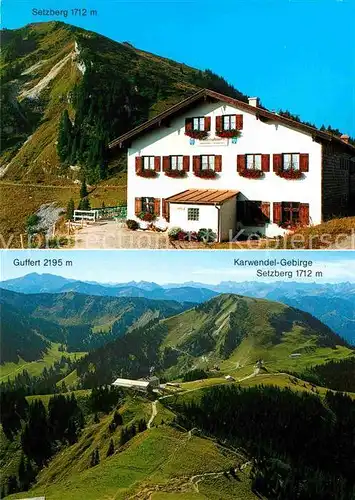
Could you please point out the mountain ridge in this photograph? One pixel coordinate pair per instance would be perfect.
(333, 304)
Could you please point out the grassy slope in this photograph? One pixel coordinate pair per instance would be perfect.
(18, 201)
(159, 459)
(320, 236)
(259, 344)
(10, 370)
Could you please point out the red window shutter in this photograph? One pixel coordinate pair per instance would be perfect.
(139, 162)
(166, 163)
(239, 122)
(240, 163)
(277, 162)
(137, 205)
(304, 214)
(265, 163)
(157, 163)
(207, 123)
(165, 210)
(218, 163)
(218, 123)
(265, 208)
(188, 124)
(196, 163)
(304, 162)
(157, 206)
(277, 215)
(186, 163)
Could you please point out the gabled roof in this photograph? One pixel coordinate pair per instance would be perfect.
(126, 382)
(206, 94)
(202, 196)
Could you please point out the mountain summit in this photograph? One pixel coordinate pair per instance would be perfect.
(66, 92)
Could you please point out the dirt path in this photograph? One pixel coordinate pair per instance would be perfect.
(111, 234)
(153, 415)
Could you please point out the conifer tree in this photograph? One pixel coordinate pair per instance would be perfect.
(83, 189)
(97, 456)
(111, 449)
(70, 209)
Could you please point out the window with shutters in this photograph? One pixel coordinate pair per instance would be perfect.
(291, 161)
(229, 122)
(193, 214)
(176, 163)
(148, 162)
(253, 162)
(148, 205)
(290, 212)
(207, 162)
(198, 123)
(250, 213)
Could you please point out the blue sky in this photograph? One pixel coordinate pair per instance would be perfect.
(176, 266)
(294, 54)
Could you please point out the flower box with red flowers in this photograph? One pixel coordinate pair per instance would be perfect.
(290, 174)
(206, 174)
(228, 133)
(147, 173)
(197, 134)
(147, 216)
(176, 174)
(252, 173)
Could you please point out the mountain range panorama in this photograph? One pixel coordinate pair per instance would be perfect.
(331, 303)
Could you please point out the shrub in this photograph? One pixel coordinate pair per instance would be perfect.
(132, 224)
(173, 232)
(206, 235)
(182, 235)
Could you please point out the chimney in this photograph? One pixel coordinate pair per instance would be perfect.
(345, 138)
(253, 101)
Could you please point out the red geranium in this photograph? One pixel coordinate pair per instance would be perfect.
(228, 133)
(206, 174)
(175, 173)
(147, 173)
(197, 134)
(252, 173)
(290, 174)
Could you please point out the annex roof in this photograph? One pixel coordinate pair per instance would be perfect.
(206, 94)
(203, 196)
(126, 382)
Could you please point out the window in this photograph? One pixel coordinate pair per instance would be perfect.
(290, 212)
(148, 162)
(253, 162)
(291, 161)
(207, 162)
(198, 123)
(148, 205)
(250, 213)
(229, 122)
(193, 214)
(176, 163)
